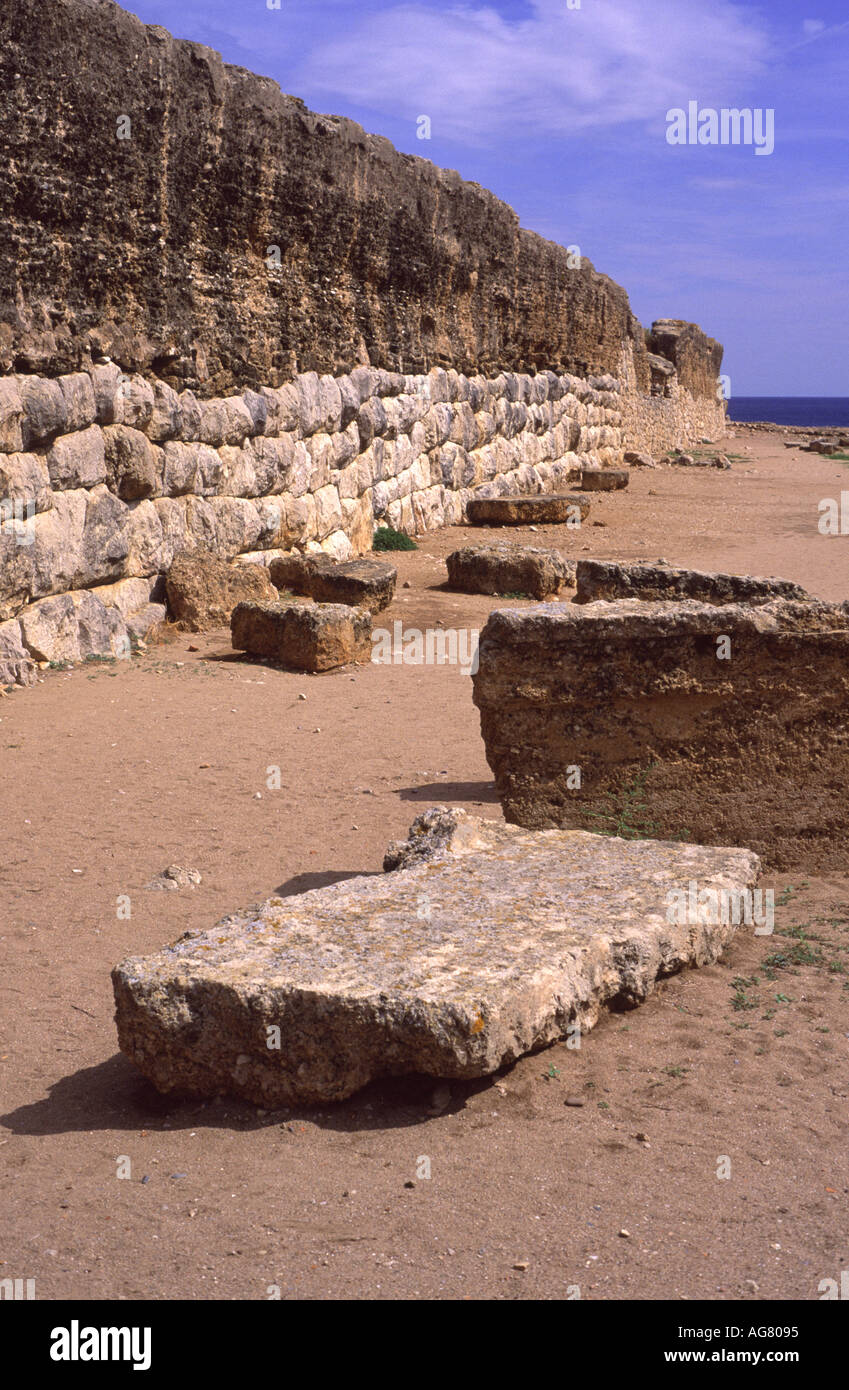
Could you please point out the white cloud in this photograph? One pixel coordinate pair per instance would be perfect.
(555, 71)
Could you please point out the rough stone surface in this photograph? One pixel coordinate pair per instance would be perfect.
(174, 878)
(724, 725)
(604, 479)
(303, 637)
(73, 626)
(505, 569)
(676, 460)
(602, 579)
(492, 945)
(362, 583)
(424, 266)
(528, 511)
(16, 665)
(202, 589)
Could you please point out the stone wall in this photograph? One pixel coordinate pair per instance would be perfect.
(105, 478)
(185, 250)
(191, 221)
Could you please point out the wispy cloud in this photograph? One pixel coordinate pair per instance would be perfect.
(552, 72)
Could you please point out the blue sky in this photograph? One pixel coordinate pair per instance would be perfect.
(563, 113)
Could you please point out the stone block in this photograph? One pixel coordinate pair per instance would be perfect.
(77, 460)
(492, 944)
(202, 589)
(362, 583)
(602, 579)
(303, 637)
(519, 570)
(604, 479)
(555, 508)
(684, 720)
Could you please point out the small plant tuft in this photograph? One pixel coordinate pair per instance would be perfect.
(387, 538)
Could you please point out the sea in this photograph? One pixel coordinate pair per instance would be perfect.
(826, 411)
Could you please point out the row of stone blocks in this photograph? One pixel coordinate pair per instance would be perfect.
(34, 410)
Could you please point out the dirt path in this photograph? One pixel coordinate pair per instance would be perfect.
(114, 771)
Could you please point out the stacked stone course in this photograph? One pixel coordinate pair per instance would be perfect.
(106, 478)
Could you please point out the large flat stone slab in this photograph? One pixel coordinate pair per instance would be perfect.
(490, 942)
(569, 507)
(509, 569)
(721, 724)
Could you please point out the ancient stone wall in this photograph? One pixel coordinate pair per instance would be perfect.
(105, 478)
(185, 249)
(191, 221)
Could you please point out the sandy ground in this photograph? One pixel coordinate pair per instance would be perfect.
(112, 772)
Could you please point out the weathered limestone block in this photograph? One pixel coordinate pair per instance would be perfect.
(363, 583)
(131, 597)
(24, 478)
(271, 516)
(51, 559)
(298, 524)
(719, 724)
(238, 471)
(637, 459)
(303, 637)
(345, 445)
(80, 405)
(105, 383)
(338, 547)
(571, 508)
(371, 421)
(328, 511)
(321, 452)
(45, 411)
(429, 509)
(225, 421)
(72, 626)
(135, 402)
(202, 589)
(282, 405)
(464, 430)
(16, 565)
(11, 416)
(167, 415)
(257, 407)
(604, 479)
(358, 523)
(350, 402)
(309, 403)
(492, 944)
(77, 460)
(509, 569)
(16, 665)
(272, 463)
(135, 467)
(127, 595)
(190, 416)
(238, 525)
(330, 404)
(602, 579)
